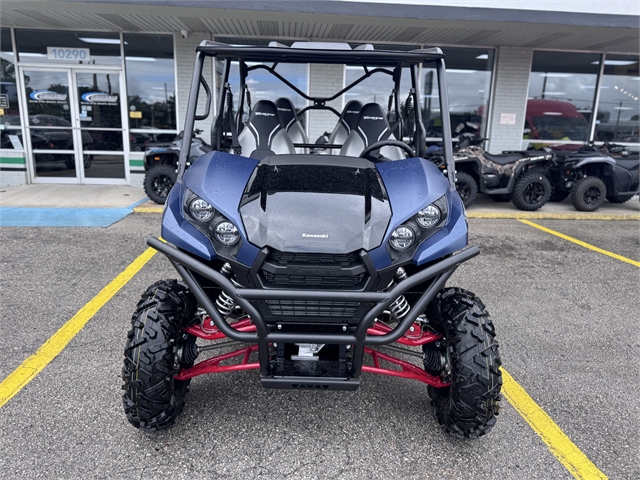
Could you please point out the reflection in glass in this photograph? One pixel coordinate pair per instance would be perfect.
(468, 83)
(47, 96)
(51, 139)
(618, 117)
(9, 105)
(140, 141)
(103, 166)
(103, 140)
(54, 164)
(150, 81)
(561, 95)
(99, 99)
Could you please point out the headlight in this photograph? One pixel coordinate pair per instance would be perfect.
(429, 216)
(402, 238)
(201, 210)
(226, 233)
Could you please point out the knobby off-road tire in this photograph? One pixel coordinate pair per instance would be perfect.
(158, 182)
(588, 194)
(152, 398)
(468, 407)
(619, 198)
(467, 188)
(531, 191)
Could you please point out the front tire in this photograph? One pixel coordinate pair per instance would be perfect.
(152, 398)
(467, 188)
(531, 191)
(468, 407)
(158, 182)
(588, 194)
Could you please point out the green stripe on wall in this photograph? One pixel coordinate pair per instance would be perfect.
(12, 160)
(136, 163)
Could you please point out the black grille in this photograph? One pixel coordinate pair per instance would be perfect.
(312, 281)
(311, 308)
(313, 270)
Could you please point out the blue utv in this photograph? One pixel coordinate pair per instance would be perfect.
(315, 265)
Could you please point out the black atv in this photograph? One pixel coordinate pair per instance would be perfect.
(519, 177)
(160, 164)
(591, 174)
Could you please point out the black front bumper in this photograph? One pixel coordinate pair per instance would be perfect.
(437, 274)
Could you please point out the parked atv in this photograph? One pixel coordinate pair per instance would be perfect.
(516, 176)
(591, 174)
(303, 263)
(160, 164)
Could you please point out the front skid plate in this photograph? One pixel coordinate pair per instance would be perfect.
(311, 383)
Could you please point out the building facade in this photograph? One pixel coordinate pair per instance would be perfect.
(86, 86)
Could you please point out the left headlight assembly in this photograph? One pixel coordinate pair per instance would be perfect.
(432, 215)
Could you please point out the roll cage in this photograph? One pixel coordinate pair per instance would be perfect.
(226, 125)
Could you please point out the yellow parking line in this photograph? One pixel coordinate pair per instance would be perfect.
(560, 445)
(27, 371)
(581, 243)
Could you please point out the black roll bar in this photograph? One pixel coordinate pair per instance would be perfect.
(447, 147)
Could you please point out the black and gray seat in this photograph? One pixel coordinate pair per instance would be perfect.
(372, 126)
(263, 134)
(291, 123)
(348, 119)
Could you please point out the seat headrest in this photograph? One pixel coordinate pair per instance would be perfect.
(265, 122)
(287, 112)
(350, 114)
(372, 123)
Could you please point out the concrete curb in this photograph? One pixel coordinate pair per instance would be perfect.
(553, 216)
(145, 209)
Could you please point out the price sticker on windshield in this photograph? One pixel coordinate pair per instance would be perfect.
(73, 54)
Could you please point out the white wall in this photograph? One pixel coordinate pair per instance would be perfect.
(509, 97)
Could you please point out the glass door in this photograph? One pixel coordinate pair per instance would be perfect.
(76, 125)
(100, 118)
(49, 129)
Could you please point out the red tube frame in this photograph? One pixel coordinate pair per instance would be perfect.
(413, 337)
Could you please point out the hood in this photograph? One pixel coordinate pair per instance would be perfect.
(299, 204)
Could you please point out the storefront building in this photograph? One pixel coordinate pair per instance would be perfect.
(86, 86)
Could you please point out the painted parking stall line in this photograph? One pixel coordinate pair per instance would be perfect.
(33, 365)
(567, 453)
(581, 243)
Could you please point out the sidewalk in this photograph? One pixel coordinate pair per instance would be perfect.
(103, 205)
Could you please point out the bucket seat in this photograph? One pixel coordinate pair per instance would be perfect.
(291, 123)
(264, 134)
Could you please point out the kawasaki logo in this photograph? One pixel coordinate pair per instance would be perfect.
(99, 97)
(315, 235)
(318, 271)
(367, 117)
(44, 95)
(265, 114)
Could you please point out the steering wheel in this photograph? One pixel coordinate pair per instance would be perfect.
(390, 143)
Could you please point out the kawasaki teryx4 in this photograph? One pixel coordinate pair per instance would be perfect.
(301, 265)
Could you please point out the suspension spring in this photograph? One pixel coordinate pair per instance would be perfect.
(400, 307)
(224, 303)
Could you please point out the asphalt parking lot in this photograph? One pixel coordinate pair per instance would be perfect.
(566, 318)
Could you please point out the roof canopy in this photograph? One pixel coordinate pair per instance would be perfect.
(282, 53)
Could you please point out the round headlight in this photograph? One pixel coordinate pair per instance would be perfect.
(402, 238)
(429, 216)
(201, 210)
(227, 233)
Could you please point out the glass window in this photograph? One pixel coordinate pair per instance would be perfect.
(151, 87)
(618, 117)
(468, 84)
(64, 47)
(9, 106)
(561, 95)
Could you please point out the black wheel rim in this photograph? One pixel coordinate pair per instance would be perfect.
(592, 195)
(463, 190)
(162, 185)
(533, 193)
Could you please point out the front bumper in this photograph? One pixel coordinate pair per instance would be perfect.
(265, 334)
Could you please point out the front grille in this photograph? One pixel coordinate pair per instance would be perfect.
(312, 281)
(312, 308)
(313, 270)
